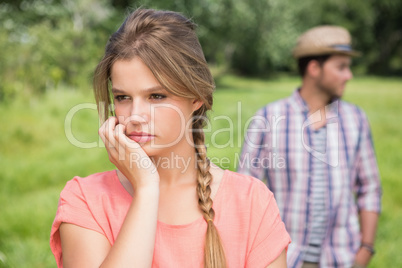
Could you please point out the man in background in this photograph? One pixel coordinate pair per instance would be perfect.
(328, 191)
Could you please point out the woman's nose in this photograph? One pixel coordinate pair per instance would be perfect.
(140, 112)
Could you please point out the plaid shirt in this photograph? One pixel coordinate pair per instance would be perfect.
(277, 148)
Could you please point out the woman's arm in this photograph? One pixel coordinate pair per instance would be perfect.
(82, 247)
(279, 262)
(135, 243)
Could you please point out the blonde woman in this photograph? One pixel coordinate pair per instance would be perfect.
(165, 205)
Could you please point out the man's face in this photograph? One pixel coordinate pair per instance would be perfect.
(335, 72)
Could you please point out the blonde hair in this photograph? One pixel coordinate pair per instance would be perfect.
(167, 43)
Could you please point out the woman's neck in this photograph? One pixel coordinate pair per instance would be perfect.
(176, 168)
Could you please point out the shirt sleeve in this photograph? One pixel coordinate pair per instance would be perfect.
(74, 209)
(253, 146)
(368, 186)
(268, 236)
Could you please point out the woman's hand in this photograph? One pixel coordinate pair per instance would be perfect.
(128, 156)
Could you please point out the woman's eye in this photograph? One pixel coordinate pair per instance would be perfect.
(157, 96)
(121, 97)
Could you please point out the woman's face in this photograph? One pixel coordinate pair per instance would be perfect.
(156, 119)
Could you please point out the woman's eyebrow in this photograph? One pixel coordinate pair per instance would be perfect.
(155, 88)
(117, 91)
(147, 90)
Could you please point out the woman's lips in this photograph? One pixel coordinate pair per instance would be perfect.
(141, 137)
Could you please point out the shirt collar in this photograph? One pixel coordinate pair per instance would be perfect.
(300, 105)
(297, 102)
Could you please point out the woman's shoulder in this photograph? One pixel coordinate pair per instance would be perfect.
(99, 193)
(243, 181)
(245, 186)
(94, 183)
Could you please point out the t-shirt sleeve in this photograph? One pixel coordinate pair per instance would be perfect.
(268, 236)
(72, 208)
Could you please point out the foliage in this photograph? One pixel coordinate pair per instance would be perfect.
(387, 32)
(255, 37)
(45, 43)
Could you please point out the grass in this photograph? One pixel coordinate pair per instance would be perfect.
(36, 157)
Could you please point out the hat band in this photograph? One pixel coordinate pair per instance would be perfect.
(342, 47)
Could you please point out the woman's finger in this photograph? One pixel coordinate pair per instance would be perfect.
(122, 138)
(108, 132)
(126, 154)
(118, 136)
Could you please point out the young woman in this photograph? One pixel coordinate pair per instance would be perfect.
(165, 205)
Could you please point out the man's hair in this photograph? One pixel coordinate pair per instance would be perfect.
(304, 61)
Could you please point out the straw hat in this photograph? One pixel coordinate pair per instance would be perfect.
(324, 40)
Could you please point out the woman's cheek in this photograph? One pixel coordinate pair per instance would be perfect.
(172, 121)
(120, 114)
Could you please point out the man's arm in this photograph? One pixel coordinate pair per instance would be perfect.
(368, 194)
(368, 223)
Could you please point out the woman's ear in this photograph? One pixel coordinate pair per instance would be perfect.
(197, 104)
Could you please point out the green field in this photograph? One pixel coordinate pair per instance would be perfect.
(37, 157)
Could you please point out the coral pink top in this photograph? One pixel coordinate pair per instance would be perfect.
(246, 216)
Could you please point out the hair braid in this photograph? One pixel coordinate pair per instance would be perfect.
(214, 255)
